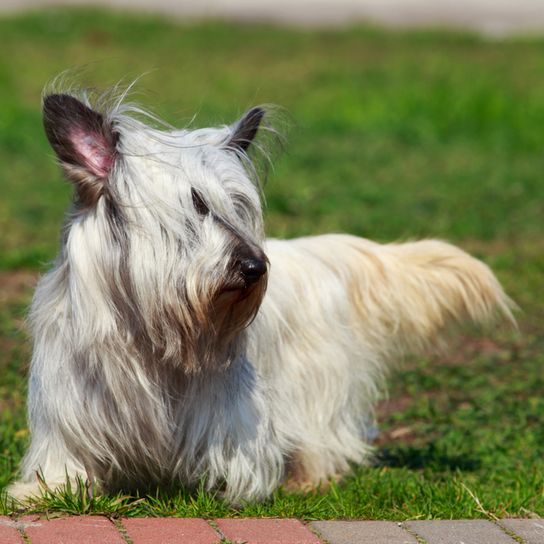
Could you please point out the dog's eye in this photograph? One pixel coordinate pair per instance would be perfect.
(198, 203)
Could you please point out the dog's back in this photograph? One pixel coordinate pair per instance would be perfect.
(406, 294)
(337, 311)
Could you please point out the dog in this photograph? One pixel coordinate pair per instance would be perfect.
(174, 345)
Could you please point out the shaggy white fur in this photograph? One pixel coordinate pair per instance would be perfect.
(173, 344)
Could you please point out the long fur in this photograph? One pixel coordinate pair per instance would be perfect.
(153, 366)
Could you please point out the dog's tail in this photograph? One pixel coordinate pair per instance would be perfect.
(408, 295)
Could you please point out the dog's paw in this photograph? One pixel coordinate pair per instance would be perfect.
(300, 479)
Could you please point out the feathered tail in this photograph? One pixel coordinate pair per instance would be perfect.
(408, 295)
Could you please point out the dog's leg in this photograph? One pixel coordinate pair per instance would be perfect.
(231, 440)
(304, 471)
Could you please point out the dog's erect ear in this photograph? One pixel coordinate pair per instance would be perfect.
(246, 129)
(82, 139)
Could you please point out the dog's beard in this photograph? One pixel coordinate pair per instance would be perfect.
(217, 329)
(198, 328)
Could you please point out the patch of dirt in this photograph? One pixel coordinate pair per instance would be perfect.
(402, 431)
(14, 401)
(393, 405)
(15, 284)
(15, 290)
(467, 348)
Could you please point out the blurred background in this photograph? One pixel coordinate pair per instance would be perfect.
(411, 119)
(493, 17)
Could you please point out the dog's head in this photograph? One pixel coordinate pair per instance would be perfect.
(164, 242)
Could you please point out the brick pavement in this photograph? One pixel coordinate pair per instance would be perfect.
(99, 529)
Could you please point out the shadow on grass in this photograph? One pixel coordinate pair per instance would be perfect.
(426, 456)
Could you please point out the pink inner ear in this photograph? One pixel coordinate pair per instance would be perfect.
(94, 149)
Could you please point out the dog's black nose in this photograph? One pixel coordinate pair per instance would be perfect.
(252, 269)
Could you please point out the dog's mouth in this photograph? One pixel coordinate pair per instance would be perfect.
(242, 286)
(236, 305)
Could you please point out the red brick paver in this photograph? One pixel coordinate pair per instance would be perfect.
(8, 532)
(170, 531)
(75, 530)
(266, 531)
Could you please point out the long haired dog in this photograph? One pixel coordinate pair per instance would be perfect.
(173, 344)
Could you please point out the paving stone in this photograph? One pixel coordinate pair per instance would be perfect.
(8, 532)
(531, 530)
(74, 530)
(476, 531)
(363, 532)
(266, 531)
(170, 531)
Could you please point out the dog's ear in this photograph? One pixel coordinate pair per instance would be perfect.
(84, 142)
(246, 129)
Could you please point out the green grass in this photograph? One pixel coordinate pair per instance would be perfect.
(398, 135)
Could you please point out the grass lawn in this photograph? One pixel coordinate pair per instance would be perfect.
(397, 135)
